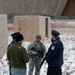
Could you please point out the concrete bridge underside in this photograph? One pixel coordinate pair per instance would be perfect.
(38, 7)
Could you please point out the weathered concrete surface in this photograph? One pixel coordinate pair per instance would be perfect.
(36, 7)
(3, 34)
(30, 26)
(69, 8)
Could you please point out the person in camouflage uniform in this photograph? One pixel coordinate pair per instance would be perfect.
(36, 51)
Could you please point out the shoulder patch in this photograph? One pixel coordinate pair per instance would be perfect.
(19, 47)
(53, 47)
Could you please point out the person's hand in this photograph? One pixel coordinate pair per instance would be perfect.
(43, 56)
(35, 53)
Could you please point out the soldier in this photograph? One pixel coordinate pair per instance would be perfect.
(17, 56)
(36, 51)
(55, 55)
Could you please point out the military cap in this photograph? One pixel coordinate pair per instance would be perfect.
(54, 32)
(38, 36)
(14, 34)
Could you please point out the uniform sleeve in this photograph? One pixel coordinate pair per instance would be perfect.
(30, 52)
(10, 44)
(44, 50)
(54, 52)
(8, 56)
(25, 56)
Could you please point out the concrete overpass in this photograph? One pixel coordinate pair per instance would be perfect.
(38, 7)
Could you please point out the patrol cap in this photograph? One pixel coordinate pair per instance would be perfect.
(54, 32)
(38, 36)
(14, 34)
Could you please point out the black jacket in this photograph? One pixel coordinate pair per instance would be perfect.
(10, 44)
(55, 54)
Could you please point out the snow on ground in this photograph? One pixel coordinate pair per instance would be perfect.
(69, 56)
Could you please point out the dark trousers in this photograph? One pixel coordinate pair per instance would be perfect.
(54, 71)
(9, 70)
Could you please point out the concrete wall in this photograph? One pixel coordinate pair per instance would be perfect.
(3, 34)
(30, 26)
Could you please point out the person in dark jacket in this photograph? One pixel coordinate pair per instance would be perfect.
(55, 55)
(13, 40)
(17, 56)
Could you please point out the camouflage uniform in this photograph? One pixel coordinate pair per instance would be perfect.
(35, 60)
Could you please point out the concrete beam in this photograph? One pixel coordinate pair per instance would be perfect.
(28, 6)
(60, 7)
(35, 5)
(51, 7)
(69, 9)
(46, 7)
(41, 6)
(3, 34)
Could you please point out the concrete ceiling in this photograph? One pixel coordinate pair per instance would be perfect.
(69, 8)
(34, 7)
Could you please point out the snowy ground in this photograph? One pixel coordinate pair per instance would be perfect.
(69, 56)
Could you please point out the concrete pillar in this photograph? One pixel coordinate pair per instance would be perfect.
(3, 34)
(30, 26)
